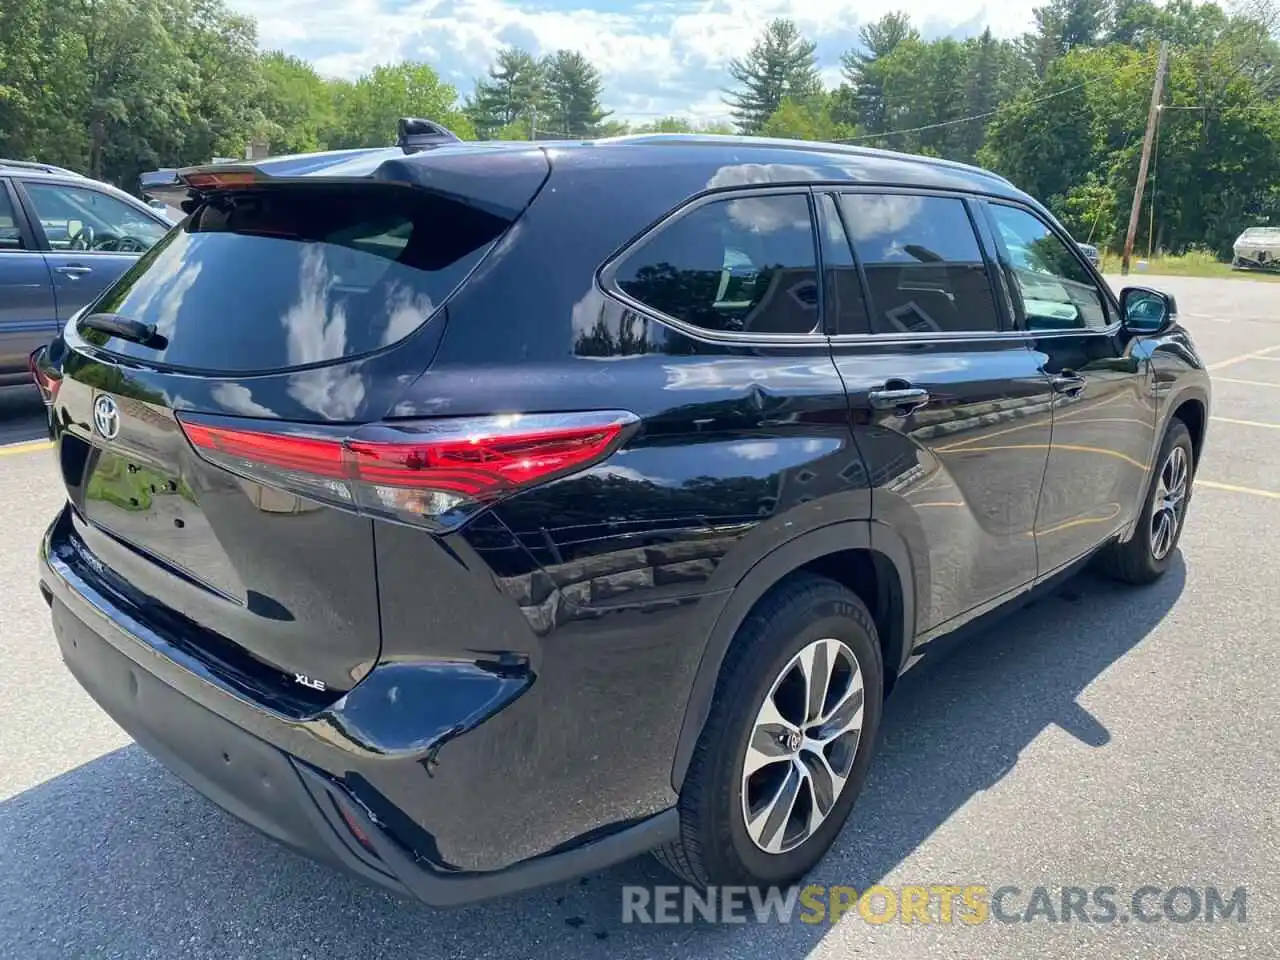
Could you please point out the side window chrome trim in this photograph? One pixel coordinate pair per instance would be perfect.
(957, 337)
(606, 275)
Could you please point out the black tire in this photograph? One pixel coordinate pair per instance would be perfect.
(1135, 561)
(714, 847)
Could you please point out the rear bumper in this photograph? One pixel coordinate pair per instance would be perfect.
(280, 775)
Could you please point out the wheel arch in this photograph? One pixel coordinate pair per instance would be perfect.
(848, 552)
(1192, 409)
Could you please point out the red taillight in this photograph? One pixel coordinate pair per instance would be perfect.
(322, 457)
(422, 471)
(45, 380)
(220, 181)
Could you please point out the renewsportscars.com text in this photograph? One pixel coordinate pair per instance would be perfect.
(965, 905)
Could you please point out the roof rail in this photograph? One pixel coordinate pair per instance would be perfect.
(416, 135)
(42, 167)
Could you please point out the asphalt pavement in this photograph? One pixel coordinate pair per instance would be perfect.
(1105, 736)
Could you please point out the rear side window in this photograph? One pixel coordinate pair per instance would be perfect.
(10, 235)
(289, 276)
(1055, 289)
(923, 264)
(739, 265)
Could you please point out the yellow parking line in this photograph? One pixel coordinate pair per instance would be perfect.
(1232, 488)
(1254, 355)
(9, 449)
(1247, 383)
(1247, 423)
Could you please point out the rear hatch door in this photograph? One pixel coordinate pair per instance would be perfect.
(295, 305)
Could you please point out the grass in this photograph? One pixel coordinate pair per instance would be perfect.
(1193, 263)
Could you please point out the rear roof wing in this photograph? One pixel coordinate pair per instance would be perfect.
(500, 178)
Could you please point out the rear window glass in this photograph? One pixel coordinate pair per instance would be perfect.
(290, 276)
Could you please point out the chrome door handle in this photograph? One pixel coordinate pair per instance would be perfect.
(74, 271)
(1071, 384)
(902, 400)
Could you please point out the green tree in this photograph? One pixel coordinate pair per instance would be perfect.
(573, 94)
(297, 103)
(861, 99)
(369, 110)
(681, 125)
(1216, 162)
(221, 99)
(516, 89)
(40, 82)
(780, 65)
(1062, 25)
(806, 120)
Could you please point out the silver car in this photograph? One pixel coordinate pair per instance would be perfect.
(1258, 248)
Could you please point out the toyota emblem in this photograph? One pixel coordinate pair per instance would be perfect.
(106, 417)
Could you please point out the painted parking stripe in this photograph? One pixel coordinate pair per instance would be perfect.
(1247, 383)
(1241, 358)
(27, 446)
(1233, 488)
(1247, 423)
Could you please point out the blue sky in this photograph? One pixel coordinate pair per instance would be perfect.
(657, 56)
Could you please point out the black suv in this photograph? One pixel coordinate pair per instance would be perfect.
(481, 516)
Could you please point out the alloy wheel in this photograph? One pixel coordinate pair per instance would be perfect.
(803, 744)
(1170, 502)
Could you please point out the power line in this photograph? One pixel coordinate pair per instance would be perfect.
(991, 113)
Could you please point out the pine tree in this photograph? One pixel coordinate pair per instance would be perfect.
(864, 89)
(514, 91)
(573, 95)
(1062, 25)
(781, 65)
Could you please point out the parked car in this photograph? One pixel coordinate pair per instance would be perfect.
(63, 240)
(1091, 253)
(1257, 248)
(719, 435)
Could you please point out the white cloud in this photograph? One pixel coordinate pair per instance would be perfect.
(657, 57)
(755, 450)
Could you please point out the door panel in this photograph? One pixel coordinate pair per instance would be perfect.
(79, 279)
(27, 314)
(90, 239)
(1103, 411)
(960, 476)
(950, 410)
(1102, 437)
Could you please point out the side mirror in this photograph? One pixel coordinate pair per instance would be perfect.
(1146, 312)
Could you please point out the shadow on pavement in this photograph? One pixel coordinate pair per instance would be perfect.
(120, 857)
(22, 415)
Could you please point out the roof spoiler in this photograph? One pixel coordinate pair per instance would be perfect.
(416, 135)
(164, 185)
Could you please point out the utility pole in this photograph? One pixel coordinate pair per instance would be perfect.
(1152, 118)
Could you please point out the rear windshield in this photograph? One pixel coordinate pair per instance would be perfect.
(293, 275)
